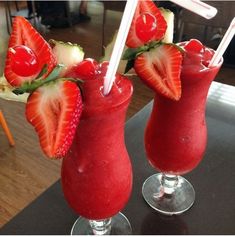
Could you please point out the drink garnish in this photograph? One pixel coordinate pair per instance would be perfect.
(54, 110)
(160, 69)
(54, 105)
(158, 64)
(148, 24)
(67, 54)
(23, 34)
(146, 27)
(23, 61)
(29, 87)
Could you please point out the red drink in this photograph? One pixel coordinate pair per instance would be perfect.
(176, 133)
(97, 173)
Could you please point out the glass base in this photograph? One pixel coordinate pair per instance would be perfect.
(168, 194)
(117, 225)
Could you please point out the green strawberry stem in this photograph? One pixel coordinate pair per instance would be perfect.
(132, 53)
(43, 71)
(29, 87)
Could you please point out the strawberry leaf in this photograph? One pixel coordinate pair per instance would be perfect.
(129, 65)
(43, 71)
(132, 53)
(29, 87)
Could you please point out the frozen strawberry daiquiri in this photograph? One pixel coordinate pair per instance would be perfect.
(178, 128)
(75, 121)
(96, 173)
(176, 134)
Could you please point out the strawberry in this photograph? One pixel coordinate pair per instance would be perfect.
(54, 110)
(24, 34)
(139, 35)
(160, 68)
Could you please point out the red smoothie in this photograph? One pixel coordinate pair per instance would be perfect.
(176, 133)
(97, 173)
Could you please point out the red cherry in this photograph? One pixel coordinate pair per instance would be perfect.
(146, 27)
(23, 61)
(85, 70)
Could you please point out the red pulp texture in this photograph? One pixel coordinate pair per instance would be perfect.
(176, 133)
(97, 173)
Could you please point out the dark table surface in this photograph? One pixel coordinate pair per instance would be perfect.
(214, 181)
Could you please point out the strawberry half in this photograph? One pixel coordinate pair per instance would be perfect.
(54, 110)
(23, 33)
(143, 7)
(160, 69)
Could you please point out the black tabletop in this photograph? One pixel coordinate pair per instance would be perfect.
(214, 182)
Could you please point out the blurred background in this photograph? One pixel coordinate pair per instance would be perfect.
(92, 24)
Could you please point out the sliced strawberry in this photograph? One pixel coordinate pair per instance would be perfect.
(24, 34)
(54, 111)
(160, 69)
(143, 7)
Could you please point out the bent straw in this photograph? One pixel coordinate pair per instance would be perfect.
(119, 44)
(197, 7)
(223, 44)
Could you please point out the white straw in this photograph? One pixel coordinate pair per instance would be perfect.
(119, 44)
(223, 44)
(197, 7)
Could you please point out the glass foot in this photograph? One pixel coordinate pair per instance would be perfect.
(168, 194)
(117, 225)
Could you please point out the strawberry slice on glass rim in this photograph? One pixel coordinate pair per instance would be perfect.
(23, 34)
(160, 68)
(54, 110)
(148, 25)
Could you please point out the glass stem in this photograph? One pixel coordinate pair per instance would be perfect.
(101, 227)
(169, 183)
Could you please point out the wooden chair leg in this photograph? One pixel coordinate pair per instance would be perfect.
(6, 129)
